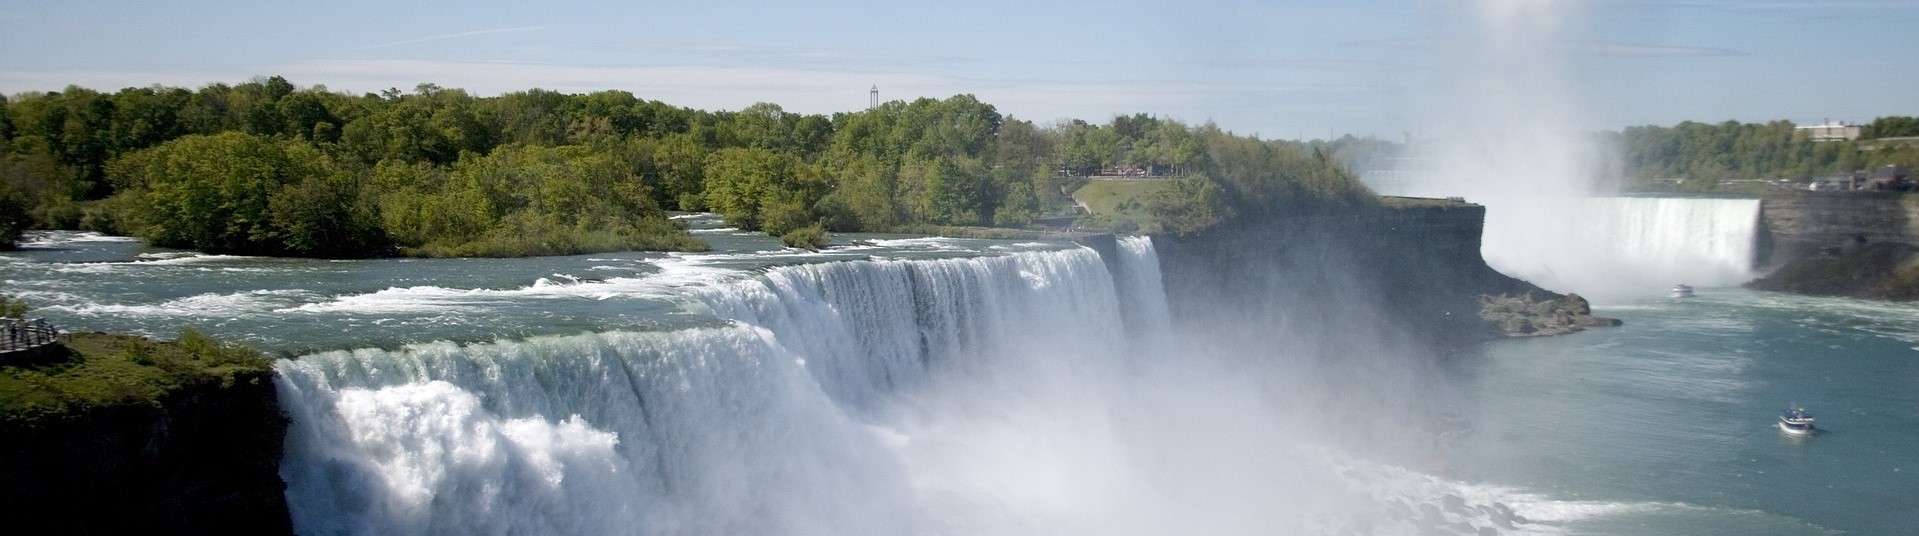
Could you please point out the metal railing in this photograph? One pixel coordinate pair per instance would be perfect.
(21, 335)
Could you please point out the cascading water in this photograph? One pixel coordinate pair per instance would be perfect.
(1626, 245)
(918, 386)
(1028, 393)
(1507, 110)
(773, 425)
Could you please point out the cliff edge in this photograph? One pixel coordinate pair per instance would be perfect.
(1414, 267)
(110, 434)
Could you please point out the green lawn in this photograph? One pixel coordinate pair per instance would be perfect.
(1115, 201)
(96, 370)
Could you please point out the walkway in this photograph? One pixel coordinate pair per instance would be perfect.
(19, 336)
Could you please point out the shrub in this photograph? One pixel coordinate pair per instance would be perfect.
(811, 237)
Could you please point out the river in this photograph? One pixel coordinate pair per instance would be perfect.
(907, 385)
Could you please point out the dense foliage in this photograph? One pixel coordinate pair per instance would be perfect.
(267, 167)
(1706, 156)
(1891, 127)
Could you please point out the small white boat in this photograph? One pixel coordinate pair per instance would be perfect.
(1682, 290)
(1795, 421)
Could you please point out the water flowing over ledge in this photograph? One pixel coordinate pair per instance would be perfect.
(778, 423)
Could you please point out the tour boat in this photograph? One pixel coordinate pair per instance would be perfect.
(1796, 421)
(1681, 291)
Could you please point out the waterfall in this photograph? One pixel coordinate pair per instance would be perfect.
(1028, 393)
(1624, 245)
(770, 426)
(1140, 285)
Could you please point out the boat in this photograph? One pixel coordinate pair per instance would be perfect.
(1682, 290)
(1795, 421)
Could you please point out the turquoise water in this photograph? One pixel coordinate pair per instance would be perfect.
(1666, 424)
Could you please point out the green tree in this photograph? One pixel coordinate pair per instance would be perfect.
(741, 182)
(245, 193)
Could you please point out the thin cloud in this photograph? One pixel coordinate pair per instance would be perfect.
(443, 37)
(1659, 51)
(1796, 6)
(1593, 47)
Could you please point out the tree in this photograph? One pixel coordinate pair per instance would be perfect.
(740, 182)
(1891, 127)
(245, 193)
(1193, 204)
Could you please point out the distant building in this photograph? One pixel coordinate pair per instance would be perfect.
(1830, 131)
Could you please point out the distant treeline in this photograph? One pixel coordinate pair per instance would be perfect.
(266, 167)
(1704, 155)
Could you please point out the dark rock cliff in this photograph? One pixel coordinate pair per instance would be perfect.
(203, 459)
(1415, 270)
(1801, 224)
(1855, 244)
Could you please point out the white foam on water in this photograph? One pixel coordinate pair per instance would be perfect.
(209, 305)
(675, 275)
(62, 238)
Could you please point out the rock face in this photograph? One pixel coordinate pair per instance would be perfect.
(1854, 244)
(1416, 270)
(202, 460)
(1524, 316)
(1802, 224)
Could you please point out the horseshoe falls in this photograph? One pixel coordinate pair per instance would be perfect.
(1624, 245)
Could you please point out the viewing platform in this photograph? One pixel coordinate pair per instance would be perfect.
(22, 338)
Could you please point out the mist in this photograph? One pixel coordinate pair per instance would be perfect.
(1034, 393)
(1504, 124)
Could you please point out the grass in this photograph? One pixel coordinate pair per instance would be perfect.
(1116, 201)
(993, 233)
(1418, 202)
(89, 371)
(562, 241)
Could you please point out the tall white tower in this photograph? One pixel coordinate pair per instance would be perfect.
(873, 98)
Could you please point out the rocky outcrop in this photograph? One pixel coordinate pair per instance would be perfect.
(1416, 270)
(1524, 316)
(1853, 244)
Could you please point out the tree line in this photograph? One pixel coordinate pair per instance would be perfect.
(266, 167)
(1705, 155)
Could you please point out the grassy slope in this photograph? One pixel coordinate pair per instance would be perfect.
(96, 370)
(1123, 200)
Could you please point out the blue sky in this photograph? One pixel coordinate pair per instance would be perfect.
(1280, 68)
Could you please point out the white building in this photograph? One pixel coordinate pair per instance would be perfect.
(1830, 131)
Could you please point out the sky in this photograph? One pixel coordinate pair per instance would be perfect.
(1276, 68)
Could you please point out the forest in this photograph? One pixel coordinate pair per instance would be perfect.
(1703, 157)
(268, 167)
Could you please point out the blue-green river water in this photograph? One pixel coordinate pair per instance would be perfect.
(1666, 425)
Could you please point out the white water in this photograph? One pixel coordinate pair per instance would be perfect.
(821, 412)
(989, 395)
(1624, 245)
(1506, 122)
